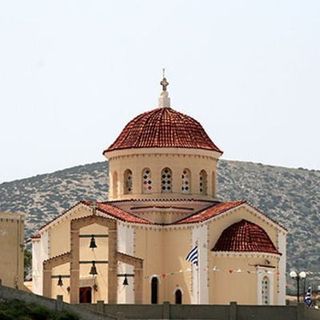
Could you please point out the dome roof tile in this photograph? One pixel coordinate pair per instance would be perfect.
(163, 128)
(245, 236)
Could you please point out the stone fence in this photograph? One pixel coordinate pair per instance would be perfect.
(215, 312)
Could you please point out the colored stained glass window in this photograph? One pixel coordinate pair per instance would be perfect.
(166, 180)
(185, 183)
(146, 181)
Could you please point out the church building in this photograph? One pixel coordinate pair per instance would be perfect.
(163, 235)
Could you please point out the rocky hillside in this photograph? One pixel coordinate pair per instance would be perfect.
(290, 196)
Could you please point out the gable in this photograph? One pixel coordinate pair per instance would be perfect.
(217, 225)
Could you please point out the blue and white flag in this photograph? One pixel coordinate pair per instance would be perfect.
(307, 298)
(193, 256)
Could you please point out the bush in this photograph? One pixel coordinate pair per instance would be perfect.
(65, 315)
(19, 310)
(39, 313)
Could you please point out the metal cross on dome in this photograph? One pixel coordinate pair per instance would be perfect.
(164, 81)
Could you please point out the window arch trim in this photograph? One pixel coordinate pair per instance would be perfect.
(127, 181)
(203, 182)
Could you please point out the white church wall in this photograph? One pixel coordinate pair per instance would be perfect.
(199, 277)
(125, 245)
(282, 268)
(36, 268)
(269, 274)
(40, 252)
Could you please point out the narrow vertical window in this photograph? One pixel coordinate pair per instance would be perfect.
(166, 180)
(265, 291)
(127, 181)
(213, 184)
(185, 182)
(154, 290)
(178, 296)
(115, 184)
(146, 181)
(203, 182)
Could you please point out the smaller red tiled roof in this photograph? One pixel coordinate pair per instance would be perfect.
(245, 236)
(163, 128)
(210, 212)
(116, 212)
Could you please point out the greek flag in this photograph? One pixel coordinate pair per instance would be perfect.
(193, 256)
(307, 298)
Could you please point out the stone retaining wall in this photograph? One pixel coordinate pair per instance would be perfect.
(216, 312)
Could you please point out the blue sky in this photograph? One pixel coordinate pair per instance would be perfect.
(73, 73)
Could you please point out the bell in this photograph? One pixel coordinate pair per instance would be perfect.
(60, 283)
(93, 269)
(125, 281)
(92, 243)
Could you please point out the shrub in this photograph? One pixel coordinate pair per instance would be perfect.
(19, 310)
(65, 315)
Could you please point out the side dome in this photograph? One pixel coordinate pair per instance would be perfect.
(163, 128)
(245, 236)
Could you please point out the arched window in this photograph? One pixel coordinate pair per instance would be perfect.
(166, 180)
(115, 184)
(213, 183)
(186, 178)
(178, 296)
(146, 181)
(265, 288)
(127, 181)
(154, 290)
(203, 182)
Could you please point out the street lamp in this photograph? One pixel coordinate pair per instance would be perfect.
(298, 277)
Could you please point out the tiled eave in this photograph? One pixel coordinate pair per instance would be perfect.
(247, 254)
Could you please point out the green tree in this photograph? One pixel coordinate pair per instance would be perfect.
(27, 262)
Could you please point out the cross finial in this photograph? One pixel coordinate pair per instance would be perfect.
(164, 81)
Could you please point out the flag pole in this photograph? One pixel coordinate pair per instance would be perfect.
(193, 257)
(198, 274)
(198, 284)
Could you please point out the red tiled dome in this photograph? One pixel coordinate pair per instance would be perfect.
(163, 128)
(245, 236)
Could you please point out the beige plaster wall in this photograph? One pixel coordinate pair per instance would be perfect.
(59, 231)
(158, 216)
(226, 286)
(57, 290)
(164, 211)
(177, 244)
(60, 243)
(157, 159)
(86, 280)
(12, 247)
(149, 247)
(221, 284)
(164, 253)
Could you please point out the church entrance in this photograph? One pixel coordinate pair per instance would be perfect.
(85, 295)
(178, 296)
(154, 290)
